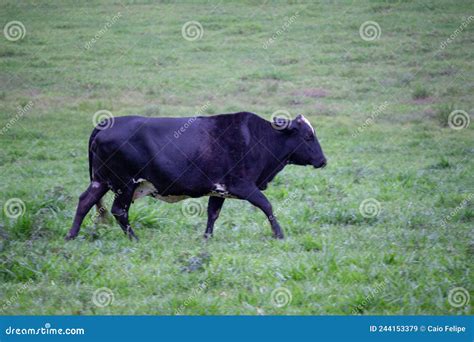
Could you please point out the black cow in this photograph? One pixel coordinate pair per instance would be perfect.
(221, 156)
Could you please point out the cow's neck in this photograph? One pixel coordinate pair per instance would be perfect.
(277, 159)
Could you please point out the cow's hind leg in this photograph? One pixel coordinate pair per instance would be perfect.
(213, 209)
(94, 193)
(120, 209)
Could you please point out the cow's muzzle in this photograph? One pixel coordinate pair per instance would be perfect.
(321, 164)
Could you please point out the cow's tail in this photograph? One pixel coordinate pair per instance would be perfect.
(102, 214)
(91, 152)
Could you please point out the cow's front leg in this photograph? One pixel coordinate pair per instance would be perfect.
(213, 209)
(258, 199)
(120, 208)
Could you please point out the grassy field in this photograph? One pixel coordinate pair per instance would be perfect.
(386, 228)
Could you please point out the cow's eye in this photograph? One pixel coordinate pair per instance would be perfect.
(309, 137)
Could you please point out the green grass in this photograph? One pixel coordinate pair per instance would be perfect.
(404, 260)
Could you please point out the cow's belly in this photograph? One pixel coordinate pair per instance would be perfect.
(146, 188)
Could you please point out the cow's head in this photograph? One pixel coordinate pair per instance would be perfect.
(302, 142)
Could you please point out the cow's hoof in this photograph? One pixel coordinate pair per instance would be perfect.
(69, 237)
(207, 236)
(279, 236)
(133, 237)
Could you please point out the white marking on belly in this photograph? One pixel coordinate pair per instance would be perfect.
(220, 187)
(220, 190)
(306, 121)
(145, 188)
(170, 199)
